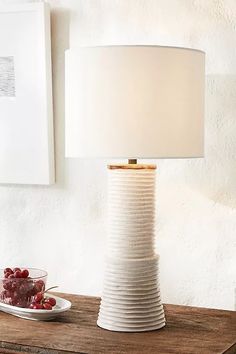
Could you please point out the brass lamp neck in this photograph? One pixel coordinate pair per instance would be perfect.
(132, 161)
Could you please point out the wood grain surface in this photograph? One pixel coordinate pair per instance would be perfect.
(188, 330)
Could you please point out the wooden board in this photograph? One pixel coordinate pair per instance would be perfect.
(189, 330)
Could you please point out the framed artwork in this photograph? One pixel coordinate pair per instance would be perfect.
(26, 114)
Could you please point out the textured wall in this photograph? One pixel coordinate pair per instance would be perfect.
(62, 228)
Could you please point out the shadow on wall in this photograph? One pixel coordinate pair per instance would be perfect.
(60, 24)
(215, 175)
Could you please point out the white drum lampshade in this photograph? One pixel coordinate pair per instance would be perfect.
(133, 102)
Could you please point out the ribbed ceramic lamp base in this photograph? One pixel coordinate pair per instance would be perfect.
(131, 300)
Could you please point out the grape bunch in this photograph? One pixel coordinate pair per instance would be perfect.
(41, 302)
(19, 289)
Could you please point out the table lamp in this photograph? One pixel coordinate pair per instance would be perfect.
(130, 102)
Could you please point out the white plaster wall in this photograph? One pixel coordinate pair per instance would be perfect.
(62, 228)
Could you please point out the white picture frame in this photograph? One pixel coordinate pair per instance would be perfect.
(26, 112)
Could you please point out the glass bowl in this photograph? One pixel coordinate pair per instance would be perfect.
(20, 291)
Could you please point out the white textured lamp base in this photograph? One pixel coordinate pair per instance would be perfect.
(131, 299)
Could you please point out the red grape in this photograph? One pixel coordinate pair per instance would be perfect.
(3, 294)
(39, 286)
(17, 274)
(8, 293)
(13, 301)
(7, 274)
(16, 269)
(29, 286)
(38, 297)
(22, 289)
(22, 303)
(47, 306)
(24, 273)
(6, 284)
(51, 301)
(14, 285)
(8, 270)
(38, 307)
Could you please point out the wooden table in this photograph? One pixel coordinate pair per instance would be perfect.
(188, 330)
